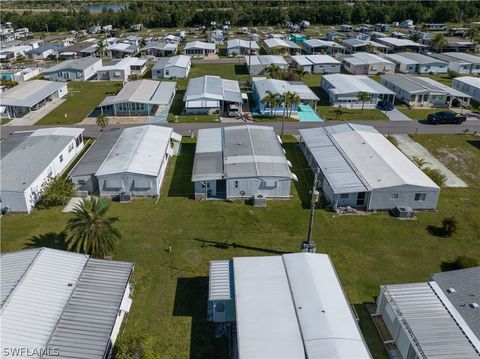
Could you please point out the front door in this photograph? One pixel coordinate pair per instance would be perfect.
(361, 199)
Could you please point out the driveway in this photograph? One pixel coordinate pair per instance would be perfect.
(34, 116)
(413, 149)
(396, 115)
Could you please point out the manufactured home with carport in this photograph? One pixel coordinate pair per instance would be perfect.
(363, 63)
(318, 47)
(200, 48)
(240, 162)
(141, 98)
(424, 91)
(159, 49)
(239, 47)
(285, 46)
(317, 64)
(359, 167)
(343, 90)
(30, 96)
(62, 304)
(210, 94)
(289, 306)
(122, 69)
(130, 162)
(29, 159)
(258, 64)
(81, 69)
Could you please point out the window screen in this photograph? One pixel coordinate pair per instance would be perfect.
(113, 183)
(142, 183)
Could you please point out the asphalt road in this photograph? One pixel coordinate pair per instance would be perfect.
(291, 128)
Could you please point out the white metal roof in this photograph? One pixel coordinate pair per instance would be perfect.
(398, 42)
(138, 150)
(293, 306)
(182, 61)
(419, 58)
(266, 60)
(29, 93)
(220, 280)
(308, 60)
(322, 43)
(362, 58)
(208, 88)
(348, 84)
(267, 325)
(367, 155)
(470, 80)
(144, 91)
(200, 45)
(474, 59)
(432, 330)
(123, 64)
(328, 327)
(82, 63)
(272, 43)
(242, 43)
(263, 85)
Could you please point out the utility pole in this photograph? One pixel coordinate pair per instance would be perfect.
(309, 245)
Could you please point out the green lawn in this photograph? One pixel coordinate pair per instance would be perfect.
(237, 72)
(170, 296)
(329, 113)
(81, 100)
(417, 113)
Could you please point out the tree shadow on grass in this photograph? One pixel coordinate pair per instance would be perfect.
(191, 297)
(446, 266)
(226, 245)
(241, 69)
(181, 184)
(369, 331)
(301, 168)
(475, 144)
(436, 231)
(49, 240)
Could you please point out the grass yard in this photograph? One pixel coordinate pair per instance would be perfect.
(170, 296)
(330, 113)
(81, 100)
(237, 72)
(417, 114)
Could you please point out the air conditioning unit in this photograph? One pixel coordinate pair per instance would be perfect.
(403, 212)
(124, 197)
(259, 200)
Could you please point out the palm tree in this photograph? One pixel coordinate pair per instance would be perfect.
(102, 121)
(295, 100)
(269, 99)
(369, 48)
(89, 231)
(100, 48)
(420, 162)
(439, 42)
(273, 71)
(473, 33)
(363, 96)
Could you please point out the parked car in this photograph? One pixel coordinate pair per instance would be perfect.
(385, 105)
(233, 110)
(445, 117)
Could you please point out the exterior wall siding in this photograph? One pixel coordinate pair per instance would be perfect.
(248, 187)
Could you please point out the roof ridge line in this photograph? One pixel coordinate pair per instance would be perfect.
(253, 151)
(109, 152)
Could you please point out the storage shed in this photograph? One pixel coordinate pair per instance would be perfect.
(240, 162)
(29, 159)
(62, 304)
(289, 306)
(131, 161)
(359, 167)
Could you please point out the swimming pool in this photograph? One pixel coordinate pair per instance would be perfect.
(307, 114)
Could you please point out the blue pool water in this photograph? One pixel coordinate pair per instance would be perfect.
(307, 114)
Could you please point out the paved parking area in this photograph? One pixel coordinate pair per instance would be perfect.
(34, 116)
(396, 115)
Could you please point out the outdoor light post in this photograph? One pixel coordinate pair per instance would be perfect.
(309, 245)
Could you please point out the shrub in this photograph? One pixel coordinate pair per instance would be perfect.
(449, 226)
(56, 191)
(452, 74)
(435, 175)
(134, 347)
(461, 262)
(393, 140)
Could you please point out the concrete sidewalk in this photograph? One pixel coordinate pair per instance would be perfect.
(413, 149)
(396, 115)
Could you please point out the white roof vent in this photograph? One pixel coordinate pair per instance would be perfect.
(474, 305)
(451, 290)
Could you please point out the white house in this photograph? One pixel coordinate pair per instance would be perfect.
(159, 49)
(121, 49)
(29, 159)
(200, 48)
(317, 64)
(68, 290)
(130, 161)
(424, 91)
(257, 64)
(474, 60)
(12, 52)
(81, 69)
(364, 63)
(415, 63)
(289, 306)
(287, 46)
(242, 47)
(468, 85)
(457, 65)
(48, 51)
(316, 46)
(359, 167)
(30, 96)
(210, 94)
(397, 45)
(175, 67)
(343, 90)
(122, 69)
(240, 162)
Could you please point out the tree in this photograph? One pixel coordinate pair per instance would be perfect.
(100, 47)
(89, 231)
(435, 175)
(415, 37)
(134, 347)
(102, 121)
(273, 71)
(420, 162)
(8, 83)
(369, 48)
(449, 226)
(439, 42)
(363, 96)
(270, 99)
(56, 191)
(473, 33)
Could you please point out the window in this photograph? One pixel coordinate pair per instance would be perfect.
(344, 195)
(167, 72)
(81, 182)
(235, 184)
(70, 147)
(420, 196)
(394, 195)
(79, 75)
(142, 183)
(61, 158)
(113, 184)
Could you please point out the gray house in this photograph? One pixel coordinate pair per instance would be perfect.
(127, 161)
(172, 67)
(241, 162)
(159, 49)
(359, 167)
(414, 63)
(81, 69)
